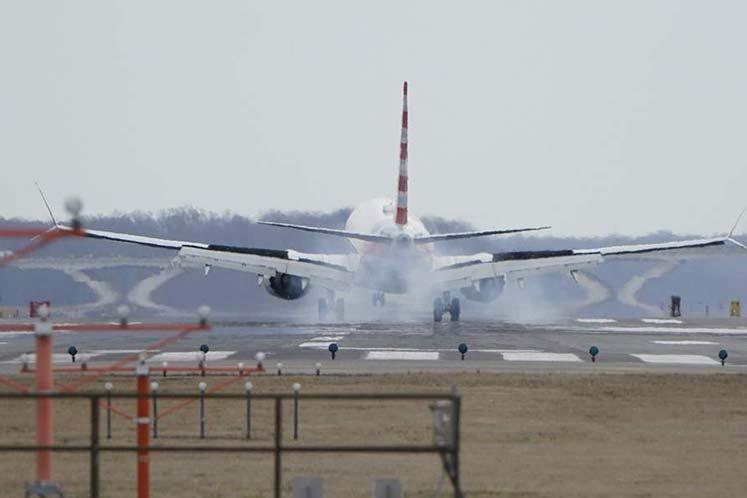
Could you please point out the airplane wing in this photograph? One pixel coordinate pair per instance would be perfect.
(333, 271)
(452, 272)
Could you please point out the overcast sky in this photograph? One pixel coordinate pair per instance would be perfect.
(595, 117)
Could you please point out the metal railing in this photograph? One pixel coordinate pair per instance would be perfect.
(446, 446)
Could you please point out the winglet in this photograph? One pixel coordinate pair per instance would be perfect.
(49, 210)
(739, 218)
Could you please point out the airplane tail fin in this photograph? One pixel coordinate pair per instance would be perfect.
(401, 216)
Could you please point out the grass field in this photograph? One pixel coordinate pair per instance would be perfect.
(523, 436)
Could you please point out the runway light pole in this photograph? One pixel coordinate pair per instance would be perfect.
(593, 351)
(260, 357)
(318, 369)
(333, 348)
(722, 355)
(142, 421)
(44, 384)
(280, 368)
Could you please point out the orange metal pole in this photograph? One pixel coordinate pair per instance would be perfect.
(44, 383)
(143, 430)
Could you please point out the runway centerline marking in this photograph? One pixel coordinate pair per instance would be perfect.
(676, 359)
(686, 343)
(402, 355)
(596, 320)
(540, 356)
(191, 356)
(661, 320)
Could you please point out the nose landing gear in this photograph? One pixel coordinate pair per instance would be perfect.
(446, 304)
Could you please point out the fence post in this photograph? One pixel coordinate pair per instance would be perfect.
(202, 386)
(296, 389)
(108, 387)
(94, 447)
(154, 392)
(278, 437)
(248, 386)
(456, 400)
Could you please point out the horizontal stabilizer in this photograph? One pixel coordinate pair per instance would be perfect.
(468, 235)
(330, 231)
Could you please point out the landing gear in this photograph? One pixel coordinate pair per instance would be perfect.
(322, 309)
(340, 309)
(379, 299)
(326, 305)
(453, 308)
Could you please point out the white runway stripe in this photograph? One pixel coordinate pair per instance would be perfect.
(596, 320)
(315, 345)
(402, 355)
(677, 330)
(661, 320)
(535, 356)
(194, 356)
(686, 343)
(327, 338)
(676, 359)
(56, 358)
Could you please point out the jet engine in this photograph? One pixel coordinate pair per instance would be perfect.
(484, 290)
(287, 286)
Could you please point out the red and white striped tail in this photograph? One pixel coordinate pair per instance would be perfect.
(401, 217)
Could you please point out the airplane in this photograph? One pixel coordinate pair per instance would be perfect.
(394, 254)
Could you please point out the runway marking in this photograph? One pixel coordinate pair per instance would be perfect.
(676, 359)
(56, 358)
(661, 320)
(402, 355)
(539, 356)
(315, 345)
(687, 343)
(328, 338)
(677, 330)
(596, 320)
(123, 351)
(195, 356)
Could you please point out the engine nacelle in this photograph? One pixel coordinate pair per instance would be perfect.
(287, 286)
(485, 289)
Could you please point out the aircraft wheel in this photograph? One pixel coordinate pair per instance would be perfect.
(340, 309)
(455, 309)
(438, 309)
(322, 309)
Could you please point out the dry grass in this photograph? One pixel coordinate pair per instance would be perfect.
(523, 436)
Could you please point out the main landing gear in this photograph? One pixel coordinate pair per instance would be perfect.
(331, 304)
(446, 304)
(379, 299)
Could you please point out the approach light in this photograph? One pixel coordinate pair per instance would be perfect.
(333, 348)
(72, 351)
(593, 351)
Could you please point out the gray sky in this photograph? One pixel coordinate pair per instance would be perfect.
(595, 117)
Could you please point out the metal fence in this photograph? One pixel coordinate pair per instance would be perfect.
(446, 431)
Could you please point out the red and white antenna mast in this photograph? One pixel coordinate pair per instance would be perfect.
(401, 218)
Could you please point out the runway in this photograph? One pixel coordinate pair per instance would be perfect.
(375, 348)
